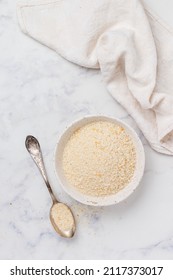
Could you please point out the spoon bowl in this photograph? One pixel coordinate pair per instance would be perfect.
(62, 220)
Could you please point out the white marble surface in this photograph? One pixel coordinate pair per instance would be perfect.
(40, 93)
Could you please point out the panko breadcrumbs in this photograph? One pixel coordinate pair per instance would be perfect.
(99, 159)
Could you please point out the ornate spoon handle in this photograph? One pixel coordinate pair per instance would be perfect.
(33, 147)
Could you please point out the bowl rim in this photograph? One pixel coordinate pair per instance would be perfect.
(109, 199)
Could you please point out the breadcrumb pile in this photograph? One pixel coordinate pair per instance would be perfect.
(62, 217)
(99, 159)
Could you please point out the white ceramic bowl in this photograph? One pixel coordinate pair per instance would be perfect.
(93, 200)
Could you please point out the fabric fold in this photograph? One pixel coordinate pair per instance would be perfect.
(130, 45)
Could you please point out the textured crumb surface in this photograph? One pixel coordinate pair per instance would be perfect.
(62, 217)
(99, 159)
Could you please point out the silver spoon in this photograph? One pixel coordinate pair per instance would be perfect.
(61, 216)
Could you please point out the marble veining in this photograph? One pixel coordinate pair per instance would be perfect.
(41, 93)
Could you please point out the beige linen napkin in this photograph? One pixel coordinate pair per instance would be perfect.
(132, 47)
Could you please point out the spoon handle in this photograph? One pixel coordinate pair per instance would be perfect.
(33, 147)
